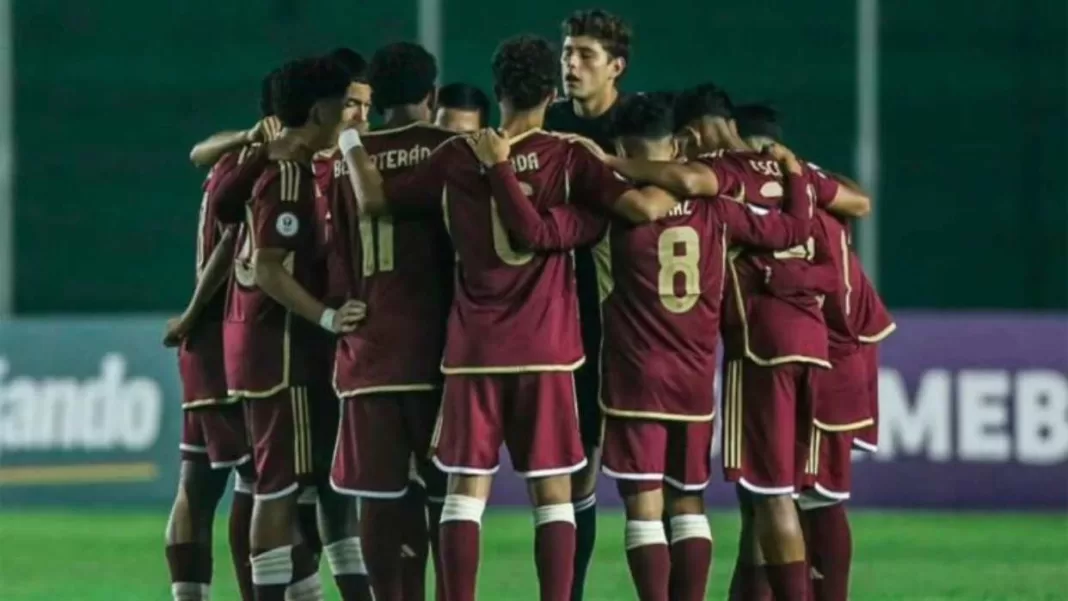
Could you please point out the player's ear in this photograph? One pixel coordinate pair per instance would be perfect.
(676, 149)
(619, 65)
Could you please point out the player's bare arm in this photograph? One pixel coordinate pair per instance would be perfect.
(274, 279)
(850, 200)
(682, 179)
(211, 279)
(208, 151)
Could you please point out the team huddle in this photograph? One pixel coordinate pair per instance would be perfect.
(377, 311)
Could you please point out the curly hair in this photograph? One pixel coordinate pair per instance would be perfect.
(352, 61)
(646, 116)
(610, 30)
(704, 100)
(401, 73)
(267, 93)
(304, 82)
(524, 71)
(459, 95)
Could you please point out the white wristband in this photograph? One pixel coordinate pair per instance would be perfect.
(349, 139)
(326, 320)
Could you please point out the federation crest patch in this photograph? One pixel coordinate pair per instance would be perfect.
(287, 225)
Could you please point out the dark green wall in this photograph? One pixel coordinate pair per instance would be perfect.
(974, 121)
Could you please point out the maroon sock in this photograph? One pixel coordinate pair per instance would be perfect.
(650, 567)
(459, 547)
(554, 557)
(381, 542)
(240, 523)
(691, 562)
(189, 562)
(830, 551)
(307, 516)
(750, 583)
(433, 523)
(353, 587)
(415, 546)
(788, 581)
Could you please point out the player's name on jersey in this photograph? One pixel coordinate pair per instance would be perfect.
(109, 411)
(400, 158)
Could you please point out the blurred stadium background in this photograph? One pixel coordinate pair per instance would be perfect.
(953, 112)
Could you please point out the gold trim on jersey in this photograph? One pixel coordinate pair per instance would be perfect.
(732, 415)
(815, 437)
(261, 394)
(522, 136)
(762, 361)
(386, 388)
(302, 431)
(601, 254)
(879, 337)
(843, 427)
(393, 130)
(657, 415)
(436, 436)
(845, 273)
(211, 402)
(511, 369)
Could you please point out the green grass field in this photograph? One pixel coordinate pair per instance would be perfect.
(99, 556)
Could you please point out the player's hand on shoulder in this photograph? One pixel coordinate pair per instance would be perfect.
(349, 316)
(490, 146)
(783, 155)
(175, 332)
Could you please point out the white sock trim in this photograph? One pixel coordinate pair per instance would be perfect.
(309, 589)
(345, 557)
(190, 591)
(461, 508)
(561, 512)
(810, 499)
(241, 485)
(640, 533)
(586, 503)
(690, 526)
(273, 567)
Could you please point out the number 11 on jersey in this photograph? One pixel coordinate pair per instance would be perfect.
(376, 238)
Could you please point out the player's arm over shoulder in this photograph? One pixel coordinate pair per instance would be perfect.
(596, 182)
(838, 194)
(692, 178)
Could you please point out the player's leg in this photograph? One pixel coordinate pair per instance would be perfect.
(415, 543)
(584, 482)
(748, 582)
(867, 438)
(635, 453)
(542, 434)
(371, 462)
(188, 544)
(339, 519)
(466, 447)
(421, 417)
(240, 526)
(687, 474)
(828, 536)
(308, 518)
(283, 455)
(760, 454)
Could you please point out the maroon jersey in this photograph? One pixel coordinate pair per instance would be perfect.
(764, 327)
(267, 347)
(513, 310)
(331, 181)
(400, 266)
(832, 251)
(661, 287)
(868, 315)
(231, 187)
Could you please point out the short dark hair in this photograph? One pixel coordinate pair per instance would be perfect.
(353, 62)
(267, 93)
(464, 96)
(304, 82)
(758, 120)
(646, 116)
(524, 71)
(704, 100)
(610, 30)
(401, 73)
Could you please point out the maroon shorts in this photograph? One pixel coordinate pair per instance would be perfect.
(829, 470)
(767, 419)
(867, 438)
(379, 436)
(201, 367)
(678, 453)
(216, 434)
(840, 394)
(533, 413)
(293, 433)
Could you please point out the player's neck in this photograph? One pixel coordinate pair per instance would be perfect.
(399, 116)
(291, 145)
(517, 123)
(596, 105)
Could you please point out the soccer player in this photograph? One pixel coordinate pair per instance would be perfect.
(506, 380)
(596, 51)
(843, 396)
(387, 371)
(280, 355)
(771, 343)
(357, 109)
(462, 108)
(208, 151)
(663, 285)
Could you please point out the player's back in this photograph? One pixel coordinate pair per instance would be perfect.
(512, 308)
(400, 266)
(832, 251)
(662, 285)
